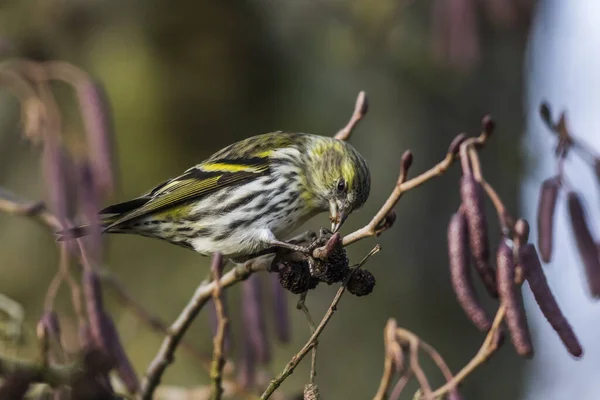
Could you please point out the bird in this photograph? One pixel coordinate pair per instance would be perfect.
(247, 197)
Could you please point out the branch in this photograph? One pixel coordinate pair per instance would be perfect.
(415, 366)
(11, 204)
(360, 109)
(394, 359)
(401, 384)
(313, 363)
(218, 362)
(287, 371)
(53, 374)
(203, 293)
(415, 343)
(489, 347)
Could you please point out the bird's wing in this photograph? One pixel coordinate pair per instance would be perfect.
(195, 183)
(235, 164)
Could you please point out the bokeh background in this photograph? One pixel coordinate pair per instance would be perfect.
(187, 78)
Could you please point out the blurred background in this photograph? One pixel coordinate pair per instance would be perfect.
(186, 78)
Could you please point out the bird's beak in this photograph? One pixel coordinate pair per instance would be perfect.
(337, 216)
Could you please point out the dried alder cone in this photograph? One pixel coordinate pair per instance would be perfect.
(334, 268)
(299, 273)
(361, 283)
(295, 276)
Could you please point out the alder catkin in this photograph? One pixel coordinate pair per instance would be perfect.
(97, 119)
(253, 313)
(98, 329)
(511, 297)
(280, 310)
(529, 260)
(585, 243)
(545, 216)
(460, 273)
(473, 205)
(122, 362)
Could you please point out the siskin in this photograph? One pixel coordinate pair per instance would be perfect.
(245, 198)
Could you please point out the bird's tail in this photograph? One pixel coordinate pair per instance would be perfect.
(82, 230)
(108, 217)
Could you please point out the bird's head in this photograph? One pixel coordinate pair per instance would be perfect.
(339, 179)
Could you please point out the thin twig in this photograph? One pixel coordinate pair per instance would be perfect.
(58, 279)
(311, 323)
(386, 378)
(360, 109)
(489, 347)
(394, 359)
(10, 204)
(289, 368)
(53, 374)
(218, 362)
(416, 368)
(401, 384)
(203, 293)
(438, 359)
(410, 337)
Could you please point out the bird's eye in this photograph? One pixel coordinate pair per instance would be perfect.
(341, 185)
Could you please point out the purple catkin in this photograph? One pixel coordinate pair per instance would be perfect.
(51, 324)
(56, 169)
(473, 205)
(545, 216)
(95, 310)
(597, 168)
(246, 377)
(124, 368)
(529, 260)
(585, 243)
(280, 309)
(97, 119)
(254, 318)
(89, 202)
(86, 340)
(460, 273)
(511, 297)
